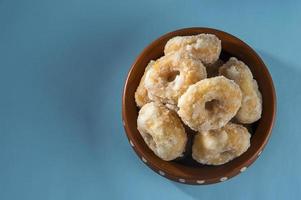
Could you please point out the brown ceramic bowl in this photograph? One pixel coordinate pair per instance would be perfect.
(186, 170)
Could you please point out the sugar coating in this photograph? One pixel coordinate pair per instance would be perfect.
(251, 107)
(171, 75)
(172, 107)
(216, 147)
(224, 97)
(206, 47)
(162, 131)
(141, 94)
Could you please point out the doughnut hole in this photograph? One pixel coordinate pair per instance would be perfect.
(209, 104)
(149, 139)
(212, 105)
(172, 76)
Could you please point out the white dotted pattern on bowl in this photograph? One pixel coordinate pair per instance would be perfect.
(243, 169)
(182, 180)
(161, 173)
(259, 153)
(200, 181)
(223, 179)
(144, 160)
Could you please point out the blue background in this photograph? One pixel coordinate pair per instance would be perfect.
(62, 68)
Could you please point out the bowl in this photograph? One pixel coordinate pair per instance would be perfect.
(187, 170)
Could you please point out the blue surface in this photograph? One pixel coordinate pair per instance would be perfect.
(62, 68)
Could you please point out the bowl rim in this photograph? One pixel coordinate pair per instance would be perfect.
(196, 181)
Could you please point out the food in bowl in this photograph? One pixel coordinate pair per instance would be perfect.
(251, 105)
(219, 146)
(171, 75)
(210, 103)
(175, 90)
(203, 47)
(162, 130)
(141, 94)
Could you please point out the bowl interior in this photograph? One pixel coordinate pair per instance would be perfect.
(186, 168)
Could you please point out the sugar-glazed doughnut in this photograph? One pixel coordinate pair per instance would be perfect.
(171, 75)
(216, 147)
(210, 103)
(162, 131)
(206, 47)
(251, 106)
(141, 95)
